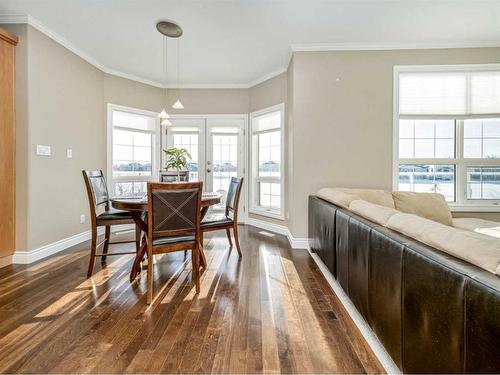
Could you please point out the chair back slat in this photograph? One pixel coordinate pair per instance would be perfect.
(233, 195)
(97, 189)
(174, 208)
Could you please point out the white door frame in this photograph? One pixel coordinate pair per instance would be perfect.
(244, 144)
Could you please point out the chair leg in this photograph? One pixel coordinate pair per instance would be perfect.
(106, 242)
(228, 232)
(236, 238)
(137, 239)
(201, 253)
(195, 260)
(150, 274)
(93, 246)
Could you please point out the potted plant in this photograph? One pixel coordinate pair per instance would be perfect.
(177, 158)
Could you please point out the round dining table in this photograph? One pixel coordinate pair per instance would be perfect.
(138, 206)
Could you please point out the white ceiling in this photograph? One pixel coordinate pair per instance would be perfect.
(238, 42)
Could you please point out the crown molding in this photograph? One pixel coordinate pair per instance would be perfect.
(324, 47)
(6, 17)
(63, 41)
(14, 18)
(266, 77)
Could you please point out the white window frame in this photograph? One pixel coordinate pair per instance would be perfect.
(253, 197)
(155, 160)
(461, 204)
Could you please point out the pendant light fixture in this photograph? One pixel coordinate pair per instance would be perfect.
(178, 104)
(172, 30)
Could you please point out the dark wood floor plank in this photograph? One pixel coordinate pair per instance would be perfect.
(270, 311)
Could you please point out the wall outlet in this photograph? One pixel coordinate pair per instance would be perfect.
(82, 219)
(69, 153)
(43, 150)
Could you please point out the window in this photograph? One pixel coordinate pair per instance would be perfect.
(131, 150)
(266, 166)
(447, 133)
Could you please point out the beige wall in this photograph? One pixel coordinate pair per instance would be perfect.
(59, 104)
(268, 93)
(65, 111)
(343, 117)
(134, 94)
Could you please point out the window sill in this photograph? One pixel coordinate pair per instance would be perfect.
(271, 214)
(457, 207)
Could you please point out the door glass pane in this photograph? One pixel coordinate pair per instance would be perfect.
(189, 141)
(131, 189)
(224, 163)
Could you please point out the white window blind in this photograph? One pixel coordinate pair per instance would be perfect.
(449, 93)
(485, 92)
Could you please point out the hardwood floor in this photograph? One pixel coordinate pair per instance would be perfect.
(270, 311)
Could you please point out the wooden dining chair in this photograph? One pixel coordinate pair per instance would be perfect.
(103, 215)
(229, 219)
(174, 214)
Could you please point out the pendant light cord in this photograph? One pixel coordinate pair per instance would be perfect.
(165, 67)
(178, 67)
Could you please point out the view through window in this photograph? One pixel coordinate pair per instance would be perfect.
(132, 136)
(449, 133)
(267, 166)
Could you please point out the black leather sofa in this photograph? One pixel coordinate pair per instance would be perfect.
(434, 313)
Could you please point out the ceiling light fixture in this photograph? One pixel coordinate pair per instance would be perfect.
(168, 30)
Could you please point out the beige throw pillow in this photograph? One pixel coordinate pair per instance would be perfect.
(376, 196)
(336, 197)
(431, 206)
(374, 212)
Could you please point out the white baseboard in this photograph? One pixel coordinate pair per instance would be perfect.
(30, 256)
(368, 334)
(295, 243)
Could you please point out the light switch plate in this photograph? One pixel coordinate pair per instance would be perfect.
(43, 150)
(69, 153)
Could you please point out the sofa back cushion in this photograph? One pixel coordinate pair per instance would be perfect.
(376, 196)
(374, 212)
(431, 206)
(337, 197)
(478, 249)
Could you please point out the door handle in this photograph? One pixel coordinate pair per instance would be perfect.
(209, 170)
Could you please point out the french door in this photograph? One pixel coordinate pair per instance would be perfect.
(216, 148)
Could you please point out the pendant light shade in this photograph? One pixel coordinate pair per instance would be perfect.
(165, 122)
(163, 115)
(178, 105)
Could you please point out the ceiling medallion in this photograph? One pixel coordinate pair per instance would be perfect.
(170, 29)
